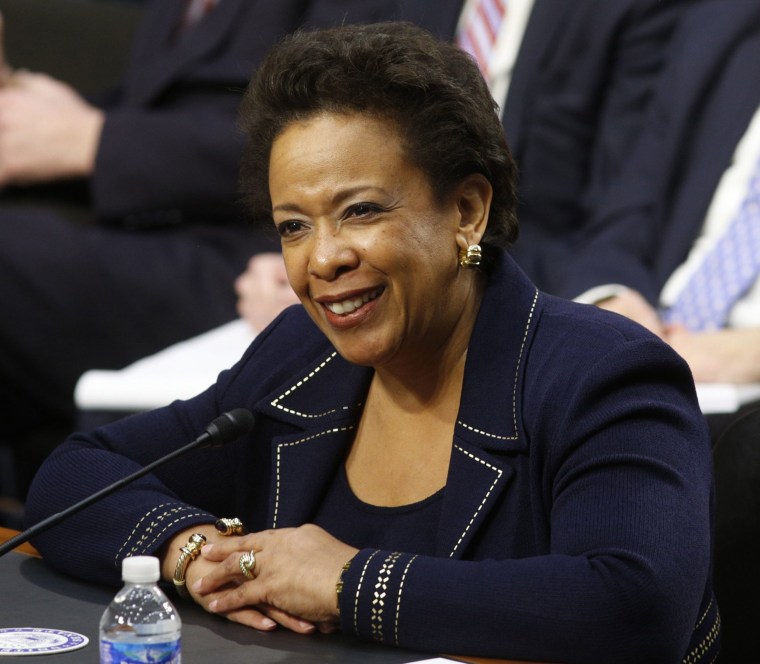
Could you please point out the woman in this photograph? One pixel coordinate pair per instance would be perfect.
(443, 458)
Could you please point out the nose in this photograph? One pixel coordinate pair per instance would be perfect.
(331, 254)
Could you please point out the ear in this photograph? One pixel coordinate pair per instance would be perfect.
(474, 195)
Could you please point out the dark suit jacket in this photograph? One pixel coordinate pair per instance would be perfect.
(582, 81)
(580, 479)
(646, 226)
(162, 268)
(170, 146)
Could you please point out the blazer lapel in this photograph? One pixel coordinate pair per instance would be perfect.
(151, 41)
(323, 404)
(489, 427)
(171, 58)
(303, 466)
(546, 17)
(475, 483)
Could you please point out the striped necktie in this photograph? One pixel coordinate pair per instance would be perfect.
(727, 272)
(479, 30)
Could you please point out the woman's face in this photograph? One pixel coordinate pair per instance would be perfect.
(368, 250)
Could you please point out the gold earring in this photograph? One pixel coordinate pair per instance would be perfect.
(471, 256)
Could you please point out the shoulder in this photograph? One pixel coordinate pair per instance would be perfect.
(593, 323)
(290, 343)
(585, 363)
(574, 337)
(577, 350)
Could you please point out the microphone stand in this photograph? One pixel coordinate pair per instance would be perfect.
(227, 425)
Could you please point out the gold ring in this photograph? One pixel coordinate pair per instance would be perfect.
(247, 564)
(229, 527)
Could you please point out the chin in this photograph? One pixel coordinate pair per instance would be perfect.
(362, 353)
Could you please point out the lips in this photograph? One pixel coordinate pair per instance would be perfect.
(351, 304)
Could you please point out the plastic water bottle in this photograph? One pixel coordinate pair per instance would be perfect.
(140, 624)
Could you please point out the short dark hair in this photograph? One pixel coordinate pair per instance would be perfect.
(429, 89)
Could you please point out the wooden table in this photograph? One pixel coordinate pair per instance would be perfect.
(7, 533)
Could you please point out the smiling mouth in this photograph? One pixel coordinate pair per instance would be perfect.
(351, 304)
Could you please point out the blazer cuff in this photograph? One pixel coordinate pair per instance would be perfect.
(371, 602)
(159, 525)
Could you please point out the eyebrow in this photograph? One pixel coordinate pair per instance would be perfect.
(336, 200)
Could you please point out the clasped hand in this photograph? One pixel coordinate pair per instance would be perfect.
(294, 584)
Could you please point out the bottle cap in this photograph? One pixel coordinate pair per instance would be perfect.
(140, 569)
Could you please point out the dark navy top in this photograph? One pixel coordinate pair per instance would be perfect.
(410, 528)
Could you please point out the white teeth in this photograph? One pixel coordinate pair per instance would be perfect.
(351, 304)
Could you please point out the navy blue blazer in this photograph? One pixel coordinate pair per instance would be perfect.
(647, 225)
(575, 523)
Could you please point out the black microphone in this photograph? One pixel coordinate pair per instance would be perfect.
(224, 429)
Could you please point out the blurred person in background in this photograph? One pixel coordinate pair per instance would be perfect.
(675, 245)
(120, 231)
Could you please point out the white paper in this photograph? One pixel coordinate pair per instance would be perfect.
(178, 372)
(717, 398)
(189, 367)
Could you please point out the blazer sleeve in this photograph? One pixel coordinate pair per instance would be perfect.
(157, 167)
(626, 478)
(197, 487)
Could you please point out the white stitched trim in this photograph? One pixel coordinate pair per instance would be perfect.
(378, 597)
(358, 591)
(514, 387)
(182, 517)
(498, 472)
(184, 512)
(704, 646)
(704, 615)
(293, 388)
(398, 602)
(137, 527)
(296, 442)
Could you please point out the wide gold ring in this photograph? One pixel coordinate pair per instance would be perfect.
(247, 564)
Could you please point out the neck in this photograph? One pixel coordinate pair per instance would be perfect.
(429, 376)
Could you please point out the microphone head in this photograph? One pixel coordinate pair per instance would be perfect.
(229, 426)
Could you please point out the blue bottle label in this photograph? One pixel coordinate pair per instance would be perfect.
(115, 652)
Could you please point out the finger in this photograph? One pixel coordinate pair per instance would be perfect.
(327, 628)
(236, 607)
(227, 572)
(252, 618)
(240, 284)
(676, 328)
(223, 547)
(235, 598)
(289, 621)
(219, 551)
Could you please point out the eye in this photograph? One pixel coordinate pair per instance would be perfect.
(362, 210)
(290, 227)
